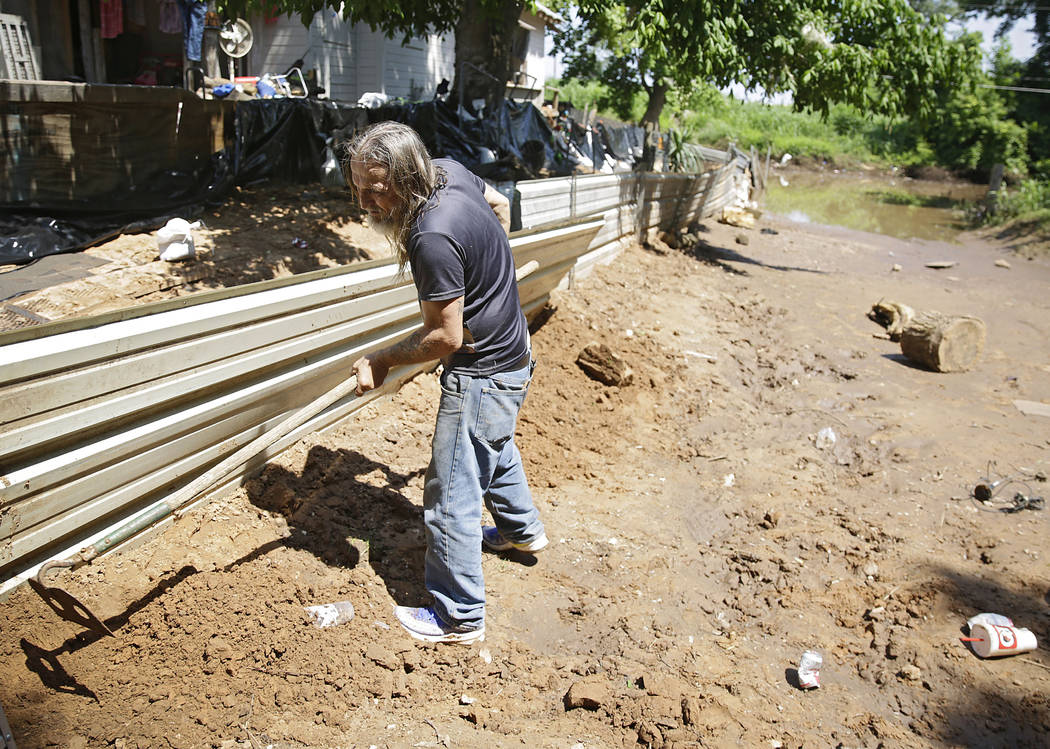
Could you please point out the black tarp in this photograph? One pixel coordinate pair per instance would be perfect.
(624, 142)
(284, 139)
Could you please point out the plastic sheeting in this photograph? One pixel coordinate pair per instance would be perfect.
(29, 232)
(285, 139)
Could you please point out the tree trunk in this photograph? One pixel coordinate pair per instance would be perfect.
(651, 123)
(943, 343)
(484, 38)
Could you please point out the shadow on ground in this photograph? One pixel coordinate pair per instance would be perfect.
(980, 716)
(328, 504)
(693, 244)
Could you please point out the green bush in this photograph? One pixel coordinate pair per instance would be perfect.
(970, 132)
(1030, 200)
(581, 94)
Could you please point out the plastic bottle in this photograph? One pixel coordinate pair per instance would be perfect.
(331, 614)
(809, 669)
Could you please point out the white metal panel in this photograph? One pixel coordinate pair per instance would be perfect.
(184, 361)
(52, 353)
(93, 454)
(415, 69)
(368, 61)
(278, 44)
(334, 50)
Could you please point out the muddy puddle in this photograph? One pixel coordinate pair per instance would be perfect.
(892, 205)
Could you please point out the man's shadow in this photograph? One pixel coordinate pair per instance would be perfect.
(328, 505)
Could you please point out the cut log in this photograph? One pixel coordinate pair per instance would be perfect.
(943, 343)
(891, 315)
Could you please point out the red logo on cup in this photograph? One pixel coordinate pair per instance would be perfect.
(1007, 638)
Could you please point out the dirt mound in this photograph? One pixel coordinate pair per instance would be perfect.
(775, 478)
(257, 234)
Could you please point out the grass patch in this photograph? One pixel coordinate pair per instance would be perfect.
(900, 197)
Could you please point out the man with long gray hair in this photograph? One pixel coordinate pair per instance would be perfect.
(450, 228)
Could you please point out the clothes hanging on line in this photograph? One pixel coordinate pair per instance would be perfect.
(193, 12)
(170, 17)
(111, 18)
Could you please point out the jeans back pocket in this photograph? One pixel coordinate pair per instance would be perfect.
(498, 409)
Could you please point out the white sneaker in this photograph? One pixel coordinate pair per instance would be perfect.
(423, 624)
(494, 540)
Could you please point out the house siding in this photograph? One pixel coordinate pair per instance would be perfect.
(413, 71)
(335, 56)
(354, 60)
(277, 44)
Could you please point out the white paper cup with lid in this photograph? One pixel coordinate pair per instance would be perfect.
(992, 640)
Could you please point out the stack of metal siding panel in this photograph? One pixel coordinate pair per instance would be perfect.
(103, 417)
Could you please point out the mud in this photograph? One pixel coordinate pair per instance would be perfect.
(703, 537)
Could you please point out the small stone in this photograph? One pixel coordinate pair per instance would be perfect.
(479, 716)
(911, 672)
(690, 711)
(586, 694)
(743, 239)
(649, 734)
(897, 268)
(600, 363)
(871, 569)
(770, 520)
(218, 649)
(1002, 263)
(467, 700)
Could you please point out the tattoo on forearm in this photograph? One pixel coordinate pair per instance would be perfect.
(412, 348)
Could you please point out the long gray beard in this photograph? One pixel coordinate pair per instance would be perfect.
(388, 227)
(382, 225)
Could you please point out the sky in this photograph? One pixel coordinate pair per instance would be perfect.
(1022, 40)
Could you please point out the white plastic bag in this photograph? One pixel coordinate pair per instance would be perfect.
(175, 240)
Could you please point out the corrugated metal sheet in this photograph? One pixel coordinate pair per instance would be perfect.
(104, 417)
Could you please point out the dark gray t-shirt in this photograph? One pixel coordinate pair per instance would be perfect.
(459, 248)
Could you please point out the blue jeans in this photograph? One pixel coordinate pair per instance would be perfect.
(474, 460)
(193, 26)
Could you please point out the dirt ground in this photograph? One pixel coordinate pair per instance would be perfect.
(703, 536)
(254, 236)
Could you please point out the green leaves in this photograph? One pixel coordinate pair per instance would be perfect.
(878, 53)
(392, 17)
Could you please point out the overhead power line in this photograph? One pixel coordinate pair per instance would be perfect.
(1016, 88)
(979, 6)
